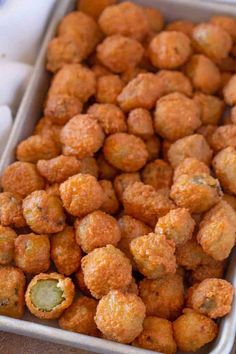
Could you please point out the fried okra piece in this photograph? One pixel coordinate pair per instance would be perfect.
(154, 255)
(108, 88)
(175, 81)
(32, 253)
(223, 137)
(65, 252)
(74, 80)
(139, 123)
(154, 18)
(53, 189)
(126, 152)
(97, 229)
(212, 297)
(224, 164)
(212, 41)
(157, 335)
(184, 26)
(169, 50)
(214, 269)
(122, 181)
(193, 330)
(94, 8)
(126, 18)
(227, 23)
(177, 225)
(37, 147)
(109, 116)
(211, 108)
(12, 290)
(43, 212)
(198, 192)
(105, 269)
(59, 169)
(131, 74)
(110, 204)
(163, 297)
(81, 194)
(48, 295)
(82, 136)
(89, 166)
(204, 74)
(145, 203)
(105, 170)
(190, 166)
(217, 231)
(229, 91)
(79, 317)
(48, 129)
(130, 228)
(120, 316)
(231, 200)
(21, 178)
(11, 210)
(207, 131)
(157, 174)
(190, 146)
(153, 146)
(7, 237)
(134, 94)
(176, 116)
(59, 109)
(119, 53)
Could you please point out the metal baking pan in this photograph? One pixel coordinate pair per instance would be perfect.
(28, 114)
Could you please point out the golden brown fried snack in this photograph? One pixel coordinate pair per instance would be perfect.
(109, 116)
(204, 74)
(12, 290)
(134, 95)
(32, 253)
(7, 237)
(95, 230)
(224, 164)
(207, 131)
(43, 212)
(184, 26)
(94, 8)
(79, 317)
(211, 40)
(212, 297)
(59, 169)
(139, 123)
(65, 252)
(215, 269)
(46, 128)
(127, 19)
(211, 108)
(88, 165)
(21, 178)
(120, 316)
(154, 255)
(82, 136)
(157, 174)
(110, 204)
(229, 91)
(175, 81)
(177, 225)
(53, 189)
(145, 203)
(154, 18)
(60, 293)
(79, 277)
(81, 194)
(163, 297)
(105, 170)
(11, 210)
(190, 166)
(131, 74)
(119, 53)
(122, 181)
(157, 335)
(227, 23)
(153, 146)
(190, 146)
(125, 151)
(100, 71)
(176, 116)
(198, 192)
(193, 330)
(231, 200)
(105, 269)
(108, 88)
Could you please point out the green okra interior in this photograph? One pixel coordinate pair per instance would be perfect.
(46, 295)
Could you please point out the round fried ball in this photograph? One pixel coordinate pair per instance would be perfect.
(82, 136)
(190, 166)
(211, 107)
(108, 88)
(163, 297)
(81, 194)
(139, 123)
(79, 317)
(46, 128)
(223, 137)
(7, 238)
(110, 204)
(43, 212)
(154, 255)
(215, 269)
(94, 8)
(229, 91)
(125, 151)
(97, 229)
(11, 210)
(169, 50)
(119, 53)
(105, 269)
(175, 81)
(122, 181)
(224, 164)
(120, 316)
(227, 23)
(231, 200)
(176, 116)
(21, 178)
(184, 26)
(193, 330)
(154, 18)
(157, 174)
(109, 116)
